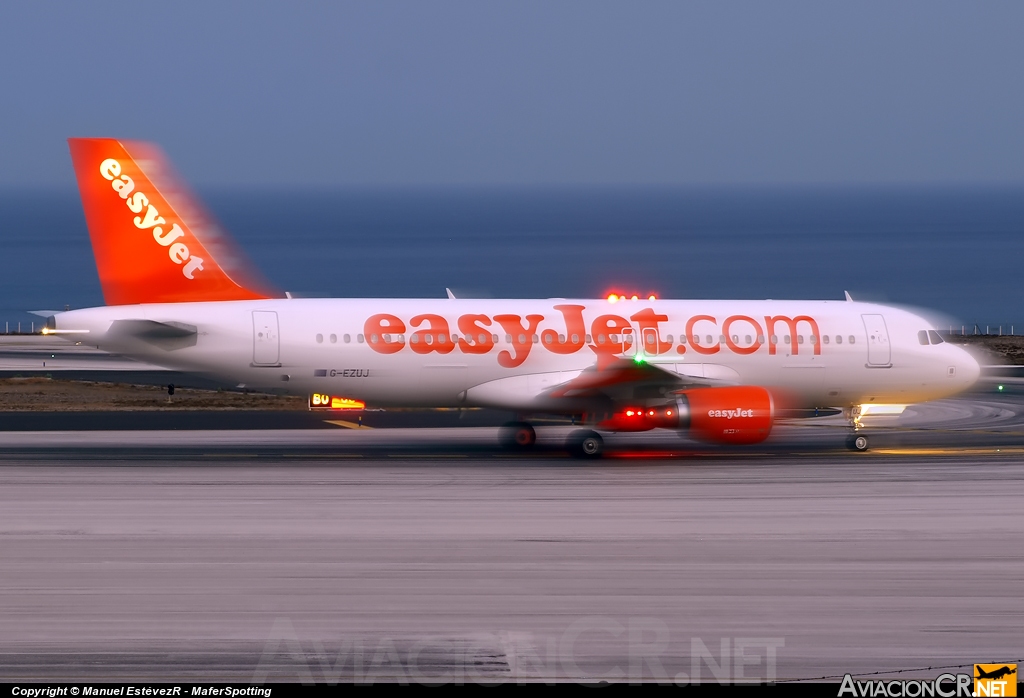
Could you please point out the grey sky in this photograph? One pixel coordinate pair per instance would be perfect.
(522, 93)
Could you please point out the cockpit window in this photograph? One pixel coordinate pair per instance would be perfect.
(936, 339)
(922, 337)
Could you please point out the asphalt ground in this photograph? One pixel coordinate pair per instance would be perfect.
(430, 555)
(500, 571)
(254, 420)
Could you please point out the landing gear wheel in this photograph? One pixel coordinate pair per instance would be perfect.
(586, 444)
(857, 442)
(517, 436)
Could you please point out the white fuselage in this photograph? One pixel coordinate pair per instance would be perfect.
(819, 353)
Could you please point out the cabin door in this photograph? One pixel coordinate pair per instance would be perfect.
(266, 342)
(879, 352)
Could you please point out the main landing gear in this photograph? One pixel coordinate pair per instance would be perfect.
(517, 436)
(584, 443)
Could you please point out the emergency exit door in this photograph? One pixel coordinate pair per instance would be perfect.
(266, 344)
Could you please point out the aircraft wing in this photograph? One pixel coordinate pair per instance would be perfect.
(623, 379)
(601, 386)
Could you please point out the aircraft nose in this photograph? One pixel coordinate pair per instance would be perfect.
(967, 368)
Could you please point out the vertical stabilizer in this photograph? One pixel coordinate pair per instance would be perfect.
(152, 241)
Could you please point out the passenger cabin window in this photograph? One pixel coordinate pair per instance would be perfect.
(824, 339)
(936, 339)
(334, 339)
(839, 339)
(319, 339)
(853, 340)
(360, 339)
(348, 338)
(922, 338)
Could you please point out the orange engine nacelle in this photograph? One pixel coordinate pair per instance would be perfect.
(733, 415)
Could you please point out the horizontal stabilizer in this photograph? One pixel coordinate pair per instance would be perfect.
(166, 335)
(150, 329)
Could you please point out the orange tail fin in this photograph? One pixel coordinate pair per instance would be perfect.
(152, 242)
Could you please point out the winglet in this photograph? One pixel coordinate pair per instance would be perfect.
(848, 297)
(451, 296)
(152, 241)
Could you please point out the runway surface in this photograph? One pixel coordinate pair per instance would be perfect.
(982, 420)
(447, 560)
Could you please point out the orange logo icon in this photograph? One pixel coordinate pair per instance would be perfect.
(995, 680)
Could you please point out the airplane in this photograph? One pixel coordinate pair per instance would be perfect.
(995, 674)
(723, 371)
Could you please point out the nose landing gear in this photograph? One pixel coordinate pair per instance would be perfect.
(856, 441)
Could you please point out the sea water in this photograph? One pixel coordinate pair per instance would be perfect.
(958, 251)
